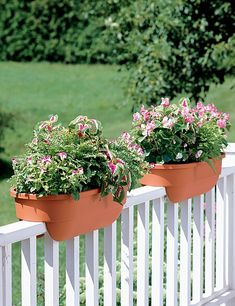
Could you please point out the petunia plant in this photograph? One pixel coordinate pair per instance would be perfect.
(179, 133)
(76, 158)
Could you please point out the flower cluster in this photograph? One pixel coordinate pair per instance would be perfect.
(69, 160)
(171, 133)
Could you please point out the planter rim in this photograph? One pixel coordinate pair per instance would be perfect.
(183, 166)
(32, 196)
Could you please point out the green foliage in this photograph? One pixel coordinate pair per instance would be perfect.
(67, 31)
(174, 46)
(70, 160)
(180, 134)
(170, 46)
(5, 122)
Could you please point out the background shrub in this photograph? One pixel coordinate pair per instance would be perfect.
(169, 46)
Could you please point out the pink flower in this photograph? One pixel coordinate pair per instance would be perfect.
(185, 145)
(226, 116)
(62, 155)
(189, 118)
(200, 105)
(35, 141)
(221, 123)
(184, 103)
(200, 123)
(29, 160)
(145, 113)
(112, 167)
(46, 160)
(198, 154)
(155, 114)
(14, 161)
(47, 141)
(167, 122)
(78, 171)
(53, 118)
(165, 102)
(109, 154)
(82, 127)
(136, 116)
(126, 136)
(43, 126)
(149, 128)
(42, 170)
(120, 161)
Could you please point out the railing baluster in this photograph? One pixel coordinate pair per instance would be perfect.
(110, 265)
(198, 248)
(51, 272)
(92, 265)
(231, 237)
(127, 257)
(142, 254)
(7, 275)
(220, 234)
(1, 277)
(172, 254)
(28, 272)
(157, 251)
(185, 253)
(209, 242)
(72, 272)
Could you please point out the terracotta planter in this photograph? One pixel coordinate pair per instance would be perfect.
(66, 218)
(183, 181)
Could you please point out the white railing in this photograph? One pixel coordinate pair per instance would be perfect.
(156, 254)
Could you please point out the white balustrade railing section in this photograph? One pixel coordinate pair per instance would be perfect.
(157, 253)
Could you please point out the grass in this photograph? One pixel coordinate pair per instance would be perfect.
(32, 91)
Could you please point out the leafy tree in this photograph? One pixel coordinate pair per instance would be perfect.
(174, 46)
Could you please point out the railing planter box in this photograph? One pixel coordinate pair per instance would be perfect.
(183, 181)
(65, 217)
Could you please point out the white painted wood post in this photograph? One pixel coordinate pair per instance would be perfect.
(51, 253)
(157, 251)
(210, 242)
(110, 265)
(172, 255)
(185, 253)
(127, 257)
(72, 272)
(142, 254)
(7, 275)
(198, 241)
(1, 277)
(92, 266)
(220, 234)
(28, 272)
(231, 237)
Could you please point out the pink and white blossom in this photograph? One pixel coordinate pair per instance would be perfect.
(184, 103)
(78, 171)
(46, 160)
(53, 118)
(112, 167)
(167, 122)
(165, 102)
(221, 123)
(136, 116)
(14, 161)
(62, 155)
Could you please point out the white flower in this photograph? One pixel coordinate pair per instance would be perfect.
(179, 156)
(198, 154)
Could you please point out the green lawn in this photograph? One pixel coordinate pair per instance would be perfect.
(35, 90)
